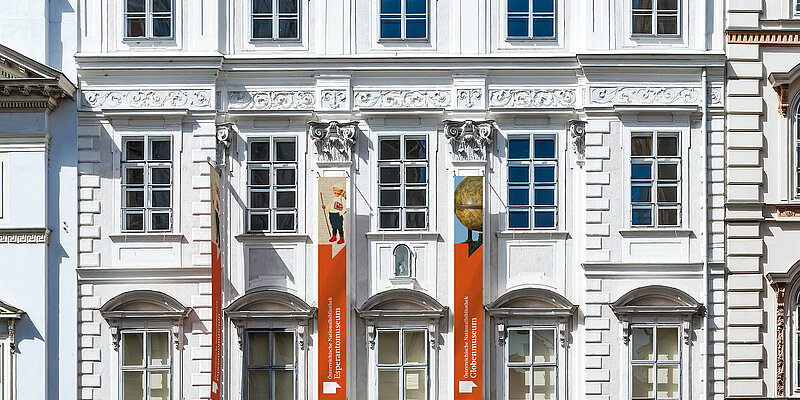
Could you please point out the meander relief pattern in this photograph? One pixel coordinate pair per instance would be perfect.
(402, 99)
(147, 98)
(532, 98)
(271, 100)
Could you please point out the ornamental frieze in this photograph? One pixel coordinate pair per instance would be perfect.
(140, 99)
(25, 236)
(271, 100)
(531, 98)
(653, 95)
(402, 99)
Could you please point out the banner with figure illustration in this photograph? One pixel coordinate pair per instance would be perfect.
(468, 279)
(332, 264)
(216, 289)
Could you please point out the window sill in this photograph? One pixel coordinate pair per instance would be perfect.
(147, 237)
(404, 235)
(401, 41)
(656, 232)
(267, 236)
(532, 234)
(522, 39)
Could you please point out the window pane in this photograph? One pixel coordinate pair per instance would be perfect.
(668, 194)
(285, 176)
(257, 348)
(132, 385)
(518, 6)
(641, 171)
(641, 146)
(162, 27)
(544, 219)
(518, 219)
(160, 176)
(519, 147)
(668, 25)
(388, 385)
(134, 176)
(134, 221)
(643, 4)
(519, 174)
(415, 219)
(284, 385)
(390, 174)
(262, 6)
(544, 348)
(132, 349)
(519, 384)
(543, 27)
(667, 344)
(643, 24)
(415, 197)
(416, 175)
(543, 6)
(258, 384)
(259, 222)
(162, 5)
(416, 149)
(519, 346)
(388, 347)
(544, 383)
(390, 28)
(390, 198)
(284, 222)
(416, 28)
(667, 5)
(262, 29)
(668, 216)
(134, 198)
(642, 344)
(544, 148)
(287, 6)
(668, 382)
(414, 346)
(641, 216)
(135, 27)
(389, 149)
(134, 150)
(390, 219)
(667, 145)
(668, 171)
(517, 27)
(642, 381)
(640, 193)
(135, 5)
(285, 151)
(518, 196)
(544, 174)
(159, 348)
(159, 221)
(416, 6)
(259, 151)
(285, 199)
(159, 385)
(415, 384)
(160, 198)
(287, 28)
(259, 176)
(390, 6)
(544, 197)
(283, 348)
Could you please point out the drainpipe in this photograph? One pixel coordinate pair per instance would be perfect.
(706, 221)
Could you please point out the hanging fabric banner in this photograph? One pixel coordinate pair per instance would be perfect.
(468, 279)
(216, 289)
(332, 266)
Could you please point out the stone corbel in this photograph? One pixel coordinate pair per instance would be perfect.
(562, 332)
(501, 332)
(12, 323)
(469, 138)
(626, 331)
(176, 335)
(371, 334)
(240, 335)
(334, 140)
(577, 132)
(433, 333)
(782, 91)
(113, 328)
(301, 336)
(687, 329)
(224, 134)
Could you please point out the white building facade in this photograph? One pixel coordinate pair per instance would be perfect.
(597, 132)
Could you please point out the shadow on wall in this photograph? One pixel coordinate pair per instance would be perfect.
(58, 10)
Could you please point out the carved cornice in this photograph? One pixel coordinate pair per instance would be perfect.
(271, 100)
(30, 95)
(146, 99)
(27, 141)
(653, 95)
(531, 98)
(402, 99)
(334, 139)
(469, 138)
(25, 235)
(765, 38)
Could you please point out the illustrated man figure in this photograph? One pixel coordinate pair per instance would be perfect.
(336, 213)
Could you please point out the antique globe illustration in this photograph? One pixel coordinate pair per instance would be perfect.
(469, 203)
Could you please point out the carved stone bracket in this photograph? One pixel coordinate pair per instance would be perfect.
(371, 333)
(780, 352)
(783, 98)
(563, 333)
(577, 132)
(469, 139)
(433, 333)
(334, 139)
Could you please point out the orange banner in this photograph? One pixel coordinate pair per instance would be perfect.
(216, 289)
(468, 281)
(332, 288)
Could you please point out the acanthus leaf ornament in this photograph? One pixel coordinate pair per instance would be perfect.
(577, 132)
(153, 98)
(334, 139)
(532, 98)
(653, 95)
(469, 138)
(402, 99)
(271, 100)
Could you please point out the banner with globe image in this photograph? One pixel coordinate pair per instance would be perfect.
(468, 280)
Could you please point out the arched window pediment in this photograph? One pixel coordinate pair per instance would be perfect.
(656, 299)
(531, 302)
(269, 303)
(404, 303)
(144, 305)
(11, 314)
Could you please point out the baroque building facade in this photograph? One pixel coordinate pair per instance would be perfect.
(590, 138)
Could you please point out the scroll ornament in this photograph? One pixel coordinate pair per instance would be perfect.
(334, 139)
(469, 138)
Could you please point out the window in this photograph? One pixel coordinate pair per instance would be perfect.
(532, 176)
(531, 18)
(145, 364)
(655, 179)
(270, 365)
(146, 184)
(403, 19)
(531, 363)
(148, 18)
(402, 364)
(402, 261)
(403, 182)
(655, 362)
(655, 17)
(272, 185)
(275, 19)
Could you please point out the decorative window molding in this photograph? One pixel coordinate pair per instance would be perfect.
(531, 19)
(403, 19)
(657, 300)
(147, 176)
(28, 236)
(656, 18)
(656, 178)
(149, 19)
(145, 364)
(532, 303)
(402, 363)
(272, 187)
(260, 305)
(270, 364)
(403, 182)
(403, 305)
(469, 139)
(532, 181)
(275, 19)
(9, 316)
(136, 308)
(334, 140)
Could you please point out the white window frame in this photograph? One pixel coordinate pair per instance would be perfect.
(402, 162)
(402, 366)
(655, 362)
(654, 160)
(531, 365)
(146, 368)
(530, 15)
(654, 13)
(531, 162)
(275, 16)
(273, 210)
(147, 187)
(246, 354)
(148, 15)
(403, 17)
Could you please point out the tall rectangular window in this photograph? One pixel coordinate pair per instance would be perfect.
(272, 184)
(655, 179)
(531, 363)
(532, 178)
(275, 19)
(531, 19)
(146, 184)
(270, 365)
(403, 19)
(148, 18)
(145, 365)
(403, 182)
(655, 362)
(655, 17)
(402, 364)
